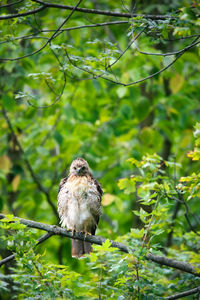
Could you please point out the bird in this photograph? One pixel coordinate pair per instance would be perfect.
(79, 204)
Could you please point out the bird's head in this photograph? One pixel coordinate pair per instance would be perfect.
(79, 167)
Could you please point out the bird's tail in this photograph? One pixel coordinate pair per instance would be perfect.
(79, 248)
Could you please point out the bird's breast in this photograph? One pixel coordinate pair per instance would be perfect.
(79, 188)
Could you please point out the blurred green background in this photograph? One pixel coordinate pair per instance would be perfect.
(105, 123)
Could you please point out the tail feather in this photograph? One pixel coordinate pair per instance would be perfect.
(79, 248)
(87, 247)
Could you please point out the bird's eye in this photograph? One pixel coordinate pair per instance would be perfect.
(74, 168)
(83, 168)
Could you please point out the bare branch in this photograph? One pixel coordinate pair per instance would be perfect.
(130, 44)
(169, 53)
(104, 12)
(30, 12)
(49, 40)
(34, 35)
(85, 10)
(11, 4)
(185, 267)
(181, 200)
(7, 259)
(184, 294)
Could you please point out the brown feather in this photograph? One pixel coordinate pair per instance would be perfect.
(79, 203)
(77, 248)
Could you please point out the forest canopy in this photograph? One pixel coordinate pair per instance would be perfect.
(117, 83)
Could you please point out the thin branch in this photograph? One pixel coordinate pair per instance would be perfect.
(95, 76)
(184, 294)
(180, 200)
(63, 87)
(182, 38)
(174, 216)
(48, 41)
(29, 167)
(185, 267)
(33, 35)
(108, 66)
(30, 12)
(85, 10)
(25, 37)
(156, 73)
(7, 259)
(91, 25)
(169, 53)
(43, 238)
(130, 44)
(11, 4)
(104, 12)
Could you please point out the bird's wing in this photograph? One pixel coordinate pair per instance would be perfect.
(96, 207)
(62, 198)
(99, 189)
(62, 182)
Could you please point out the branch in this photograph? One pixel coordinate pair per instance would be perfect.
(53, 229)
(43, 238)
(29, 167)
(30, 12)
(63, 87)
(11, 4)
(174, 216)
(84, 10)
(57, 31)
(184, 294)
(169, 53)
(34, 35)
(104, 12)
(95, 76)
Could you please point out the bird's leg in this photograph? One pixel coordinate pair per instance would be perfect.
(85, 232)
(73, 231)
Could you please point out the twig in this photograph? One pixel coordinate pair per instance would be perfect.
(180, 200)
(30, 12)
(184, 294)
(166, 54)
(137, 36)
(175, 213)
(95, 76)
(48, 41)
(63, 87)
(7, 259)
(34, 35)
(11, 4)
(162, 260)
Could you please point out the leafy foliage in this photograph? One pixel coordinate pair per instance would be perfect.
(137, 140)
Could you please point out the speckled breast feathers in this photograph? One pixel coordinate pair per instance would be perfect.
(79, 199)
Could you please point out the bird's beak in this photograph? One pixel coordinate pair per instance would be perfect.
(78, 170)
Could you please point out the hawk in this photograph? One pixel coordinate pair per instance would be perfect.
(79, 204)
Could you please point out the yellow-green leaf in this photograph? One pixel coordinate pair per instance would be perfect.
(15, 183)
